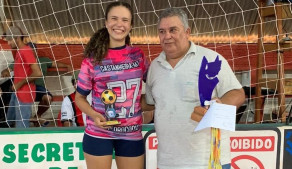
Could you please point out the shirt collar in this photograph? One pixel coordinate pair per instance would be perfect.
(118, 48)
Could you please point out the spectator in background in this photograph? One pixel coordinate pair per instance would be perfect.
(6, 58)
(26, 71)
(70, 114)
(43, 96)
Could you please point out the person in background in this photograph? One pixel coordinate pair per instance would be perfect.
(43, 95)
(114, 72)
(5, 86)
(26, 71)
(70, 115)
(176, 80)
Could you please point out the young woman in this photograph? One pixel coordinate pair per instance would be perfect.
(113, 71)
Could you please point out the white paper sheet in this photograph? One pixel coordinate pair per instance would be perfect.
(220, 116)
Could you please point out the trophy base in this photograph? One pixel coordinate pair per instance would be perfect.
(113, 122)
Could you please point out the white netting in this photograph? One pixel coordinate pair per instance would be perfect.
(61, 29)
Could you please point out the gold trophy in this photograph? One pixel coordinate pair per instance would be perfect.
(109, 97)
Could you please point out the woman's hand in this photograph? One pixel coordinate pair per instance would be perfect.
(84, 106)
(100, 121)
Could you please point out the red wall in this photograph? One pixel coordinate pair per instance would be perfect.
(241, 57)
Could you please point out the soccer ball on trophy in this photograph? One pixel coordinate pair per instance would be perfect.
(108, 96)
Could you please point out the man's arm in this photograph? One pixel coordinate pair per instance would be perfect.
(148, 110)
(234, 97)
(148, 116)
(144, 105)
(36, 73)
(60, 64)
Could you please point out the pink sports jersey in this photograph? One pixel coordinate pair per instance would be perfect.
(116, 86)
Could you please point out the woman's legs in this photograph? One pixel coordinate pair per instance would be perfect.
(97, 152)
(130, 162)
(129, 154)
(98, 162)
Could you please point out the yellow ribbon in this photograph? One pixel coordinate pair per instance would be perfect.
(214, 161)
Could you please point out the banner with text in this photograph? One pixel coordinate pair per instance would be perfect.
(254, 149)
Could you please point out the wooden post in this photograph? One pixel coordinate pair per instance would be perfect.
(259, 73)
(280, 65)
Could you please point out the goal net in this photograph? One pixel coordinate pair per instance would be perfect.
(254, 37)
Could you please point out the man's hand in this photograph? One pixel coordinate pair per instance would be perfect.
(5, 73)
(16, 86)
(69, 68)
(198, 113)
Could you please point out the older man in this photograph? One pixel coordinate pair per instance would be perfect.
(177, 80)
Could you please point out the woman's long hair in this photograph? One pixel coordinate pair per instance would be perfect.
(98, 45)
